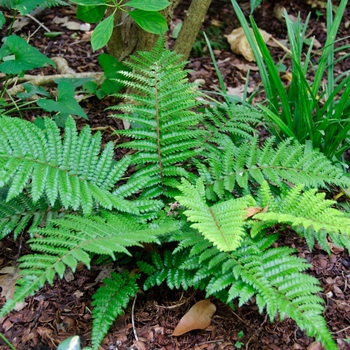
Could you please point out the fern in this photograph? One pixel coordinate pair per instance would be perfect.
(308, 212)
(222, 224)
(24, 7)
(274, 275)
(289, 164)
(38, 161)
(163, 123)
(19, 212)
(240, 122)
(71, 239)
(109, 302)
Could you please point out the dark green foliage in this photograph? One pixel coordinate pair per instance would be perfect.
(273, 275)
(19, 212)
(109, 302)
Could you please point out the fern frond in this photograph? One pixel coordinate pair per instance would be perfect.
(38, 161)
(19, 212)
(222, 223)
(274, 275)
(72, 238)
(160, 110)
(109, 302)
(288, 164)
(311, 211)
(232, 119)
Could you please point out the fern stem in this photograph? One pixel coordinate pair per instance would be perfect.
(158, 131)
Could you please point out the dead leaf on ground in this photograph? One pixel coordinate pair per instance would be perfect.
(8, 278)
(240, 45)
(239, 90)
(198, 317)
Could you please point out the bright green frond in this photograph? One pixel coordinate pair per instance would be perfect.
(72, 171)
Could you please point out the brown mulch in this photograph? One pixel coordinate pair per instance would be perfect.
(64, 309)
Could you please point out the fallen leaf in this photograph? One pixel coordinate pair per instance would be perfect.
(239, 43)
(8, 278)
(198, 317)
(251, 211)
(239, 90)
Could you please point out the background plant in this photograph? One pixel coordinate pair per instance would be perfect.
(308, 110)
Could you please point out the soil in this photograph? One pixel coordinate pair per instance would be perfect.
(64, 309)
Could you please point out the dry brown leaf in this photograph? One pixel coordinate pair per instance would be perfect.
(198, 317)
(239, 43)
(8, 278)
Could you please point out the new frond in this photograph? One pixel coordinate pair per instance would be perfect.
(222, 223)
(311, 213)
(73, 170)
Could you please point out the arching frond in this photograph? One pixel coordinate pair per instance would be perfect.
(290, 163)
(72, 170)
(71, 239)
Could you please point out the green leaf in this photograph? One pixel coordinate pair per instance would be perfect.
(150, 5)
(26, 6)
(102, 33)
(91, 14)
(111, 66)
(26, 57)
(71, 343)
(65, 104)
(32, 90)
(150, 21)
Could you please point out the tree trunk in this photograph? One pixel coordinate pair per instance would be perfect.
(191, 26)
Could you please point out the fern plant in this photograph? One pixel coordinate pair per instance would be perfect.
(229, 189)
(159, 108)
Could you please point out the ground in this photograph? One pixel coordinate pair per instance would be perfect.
(62, 310)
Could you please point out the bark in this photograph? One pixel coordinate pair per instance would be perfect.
(191, 26)
(128, 37)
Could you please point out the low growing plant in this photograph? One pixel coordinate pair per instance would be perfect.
(228, 190)
(307, 110)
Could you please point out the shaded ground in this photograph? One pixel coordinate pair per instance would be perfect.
(63, 309)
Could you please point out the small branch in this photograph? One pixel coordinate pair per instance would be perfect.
(40, 24)
(133, 319)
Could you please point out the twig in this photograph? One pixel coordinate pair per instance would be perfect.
(342, 330)
(133, 319)
(40, 24)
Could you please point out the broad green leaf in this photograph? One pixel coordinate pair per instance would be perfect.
(150, 21)
(111, 66)
(26, 57)
(32, 90)
(25, 6)
(65, 104)
(89, 2)
(150, 5)
(102, 33)
(91, 14)
(71, 343)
